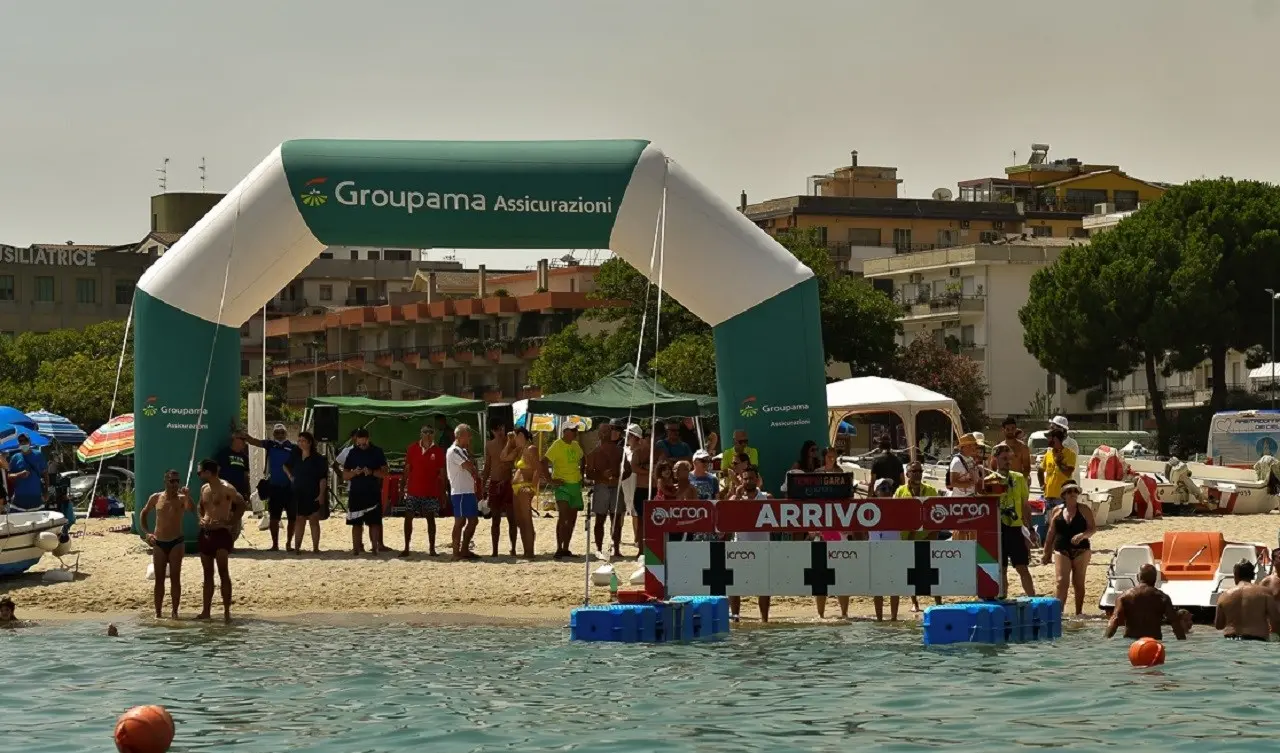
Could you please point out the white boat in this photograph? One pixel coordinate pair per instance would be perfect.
(1195, 567)
(22, 542)
(1208, 488)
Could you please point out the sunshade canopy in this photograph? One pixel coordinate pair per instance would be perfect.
(57, 427)
(880, 395)
(623, 394)
(393, 424)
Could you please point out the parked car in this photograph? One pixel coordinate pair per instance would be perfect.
(111, 482)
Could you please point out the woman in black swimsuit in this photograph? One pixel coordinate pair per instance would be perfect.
(1070, 529)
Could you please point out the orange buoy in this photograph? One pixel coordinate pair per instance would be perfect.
(144, 729)
(1146, 652)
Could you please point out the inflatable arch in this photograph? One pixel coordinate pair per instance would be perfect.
(308, 194)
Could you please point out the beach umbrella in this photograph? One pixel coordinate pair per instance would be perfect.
(57, 427)
(9, 437)
(113, 438)
(12, 416)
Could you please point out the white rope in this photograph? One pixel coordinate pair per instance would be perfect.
(213, 346)
(111, 413)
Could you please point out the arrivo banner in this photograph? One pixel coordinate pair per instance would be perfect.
(781, 515)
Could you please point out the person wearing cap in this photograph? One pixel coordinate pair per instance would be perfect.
(1071, 525)
(702, 478)
(638, 478)
(1015, 515)
(1056, 468)
(917, 487)
(1069, 442)
(424, 483)
(566, 461)
(363, 470)
(962, 473)
(280, 498)
(233, 464)
(1021, 459)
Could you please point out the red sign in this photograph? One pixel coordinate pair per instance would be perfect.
(782, 515)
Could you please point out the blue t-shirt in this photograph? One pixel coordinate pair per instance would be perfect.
(371, 457)
(33, 484)
(674, 450)
(278, 454)
(233, 467)
(707, 485)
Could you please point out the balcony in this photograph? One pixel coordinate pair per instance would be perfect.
(942, 307)
(530, 347)
(385, 358)
(389, 314)
(357, 317)
(438, 354)
(974, 352)
(500, 305)
(365, 301)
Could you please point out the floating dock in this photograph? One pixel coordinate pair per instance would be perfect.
(1034, 618)
(683, 618)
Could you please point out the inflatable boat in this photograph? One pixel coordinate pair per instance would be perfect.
(27, 536)
(1195, 567)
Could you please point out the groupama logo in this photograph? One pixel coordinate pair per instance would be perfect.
(151, 409)
(748, 407)
(312, 195)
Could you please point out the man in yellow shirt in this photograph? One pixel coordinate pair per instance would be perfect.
(566, 459)
(739, 445)
(1056, 468)
(1015, 513)
(915, 487)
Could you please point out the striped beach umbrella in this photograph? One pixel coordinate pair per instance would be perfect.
(113, 438)
(57, 427)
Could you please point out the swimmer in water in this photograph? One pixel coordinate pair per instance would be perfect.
(8, 615)
(1247, 612)
(1272, 581)
(1144, 607)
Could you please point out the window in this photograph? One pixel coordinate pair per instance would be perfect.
(124, 292)
(1079, 232)
(902, 240)
(863, 236)
(1041, 231)
(361, 295)
(326, 254)
(987, 236)
(86, 290)
(374, 255)
(244, 367)
(1051, 384)
(398, 254)
(1126, 200)
(355, 254)
(966, 336)
(820, 235)
(244, 330)
(968, 286)
(7, 291)
(44, 289)
(1235, 372)
(948, 238)
(326, 292)
(1084, 199)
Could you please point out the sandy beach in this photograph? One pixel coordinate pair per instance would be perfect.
(336, 585)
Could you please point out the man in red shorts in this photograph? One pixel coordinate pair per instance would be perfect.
(424, 483)
(499, 459)
(221, 509)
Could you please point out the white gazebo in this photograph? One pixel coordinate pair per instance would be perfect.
(879, 395)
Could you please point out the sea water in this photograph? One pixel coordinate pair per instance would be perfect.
(269, 687)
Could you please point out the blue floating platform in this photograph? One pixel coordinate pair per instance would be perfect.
(681, 619)
(993, 622)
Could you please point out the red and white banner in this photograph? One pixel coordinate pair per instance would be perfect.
(791, 516)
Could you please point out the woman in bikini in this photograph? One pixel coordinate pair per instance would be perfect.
(528, 471)
(1070, 528)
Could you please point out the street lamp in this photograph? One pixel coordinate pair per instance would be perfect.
(1274, 297)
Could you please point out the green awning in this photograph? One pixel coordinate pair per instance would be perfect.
(622, 394)
(446, 405)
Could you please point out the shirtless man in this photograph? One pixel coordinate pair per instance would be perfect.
(167, 542)
(1143, 608)
(221, 508)
(1272, 581)
(500, 457)
(1247, 612)
(684, 486)
(603, 468)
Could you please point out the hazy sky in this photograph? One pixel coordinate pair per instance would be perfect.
(747, 95)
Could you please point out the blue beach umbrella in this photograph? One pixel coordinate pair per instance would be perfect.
(57, 427)
(9, 437)
(10, 416)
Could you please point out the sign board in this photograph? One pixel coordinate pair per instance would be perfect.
(838, 485)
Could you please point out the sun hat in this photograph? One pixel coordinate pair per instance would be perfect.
(1069, 486)
(967, 439)
(278, 427)
(1061, 421)
(701, 455)
(635, 430)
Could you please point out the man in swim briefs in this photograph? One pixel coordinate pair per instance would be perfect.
(1247, 612)
(495, 480)
(1143, 608)
(166, 540)
(221, 506)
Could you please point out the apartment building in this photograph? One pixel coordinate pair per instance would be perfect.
(1055, 196)
(44, 287)
(478, 341)
(968, 298)
(856, 211)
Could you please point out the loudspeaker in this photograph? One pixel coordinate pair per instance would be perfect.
(324, 423)
(501, 413)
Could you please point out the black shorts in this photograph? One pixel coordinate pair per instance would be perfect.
(364, 512)
(636, 503)
(280, 503)
(1013, 547)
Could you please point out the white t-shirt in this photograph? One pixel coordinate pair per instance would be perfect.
(1074, 446)
(460, 479)
(756, 535)
(628, 485)
(959, 465)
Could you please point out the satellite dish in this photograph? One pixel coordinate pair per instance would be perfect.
(942, 194)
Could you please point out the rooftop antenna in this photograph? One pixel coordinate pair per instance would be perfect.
(164, 175)
(204, 173)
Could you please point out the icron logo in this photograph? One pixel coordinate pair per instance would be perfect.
(313, 196)
(947, 554)
(965, 511)
(841, 554)
(682, 515)
(739, 555)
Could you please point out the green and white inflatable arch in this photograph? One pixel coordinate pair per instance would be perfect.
(309, 194)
